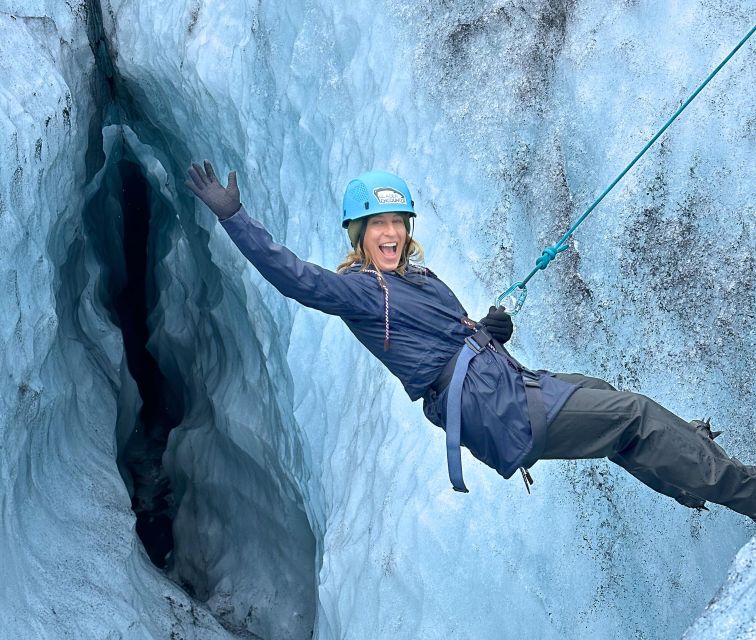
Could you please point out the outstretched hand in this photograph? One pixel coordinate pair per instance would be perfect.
(222, 201)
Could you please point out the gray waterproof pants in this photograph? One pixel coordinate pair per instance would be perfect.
(660, 449)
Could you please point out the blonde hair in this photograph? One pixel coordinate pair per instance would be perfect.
(412, 253)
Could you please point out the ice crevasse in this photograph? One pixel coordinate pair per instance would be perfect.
(186, 454)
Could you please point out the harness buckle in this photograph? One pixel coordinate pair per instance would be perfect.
(478, 341)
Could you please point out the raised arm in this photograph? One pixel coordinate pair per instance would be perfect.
(349, 296)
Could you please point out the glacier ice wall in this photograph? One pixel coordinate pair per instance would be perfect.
(71, 563)
(732, 611)
(307, 493)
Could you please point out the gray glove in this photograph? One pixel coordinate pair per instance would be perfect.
(222, 201)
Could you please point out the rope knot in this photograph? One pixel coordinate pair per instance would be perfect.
(549, 253)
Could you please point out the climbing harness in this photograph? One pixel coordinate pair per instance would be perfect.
(474, 345)
(516, 301)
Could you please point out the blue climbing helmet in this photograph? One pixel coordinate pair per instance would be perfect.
(376, 192)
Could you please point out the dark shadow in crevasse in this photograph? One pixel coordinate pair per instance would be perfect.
(118, 219)
(141, 457)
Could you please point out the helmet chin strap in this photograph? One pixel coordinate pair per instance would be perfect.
(405, 250)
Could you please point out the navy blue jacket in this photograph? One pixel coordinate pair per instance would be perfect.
(425, 331)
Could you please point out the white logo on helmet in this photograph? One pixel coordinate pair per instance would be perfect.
(387, 195)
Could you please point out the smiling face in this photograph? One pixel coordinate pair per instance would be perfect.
(385, 237)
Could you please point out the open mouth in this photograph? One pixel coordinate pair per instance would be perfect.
(388, 249)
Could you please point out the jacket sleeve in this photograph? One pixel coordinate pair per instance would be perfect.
(348, 295)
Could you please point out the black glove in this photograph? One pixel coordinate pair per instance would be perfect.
(498, 323)
(222, 201)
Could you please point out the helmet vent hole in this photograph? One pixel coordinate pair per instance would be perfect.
(358, 192)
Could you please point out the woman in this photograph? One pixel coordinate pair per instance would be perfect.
(506, 415)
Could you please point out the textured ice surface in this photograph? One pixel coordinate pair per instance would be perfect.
(309, 493)
(71, 565)
(732, 611)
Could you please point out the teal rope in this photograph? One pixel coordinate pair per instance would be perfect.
(551, 252)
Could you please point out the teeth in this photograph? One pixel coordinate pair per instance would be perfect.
(389, 245)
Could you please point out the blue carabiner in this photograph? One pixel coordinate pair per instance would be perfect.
(515, 303)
